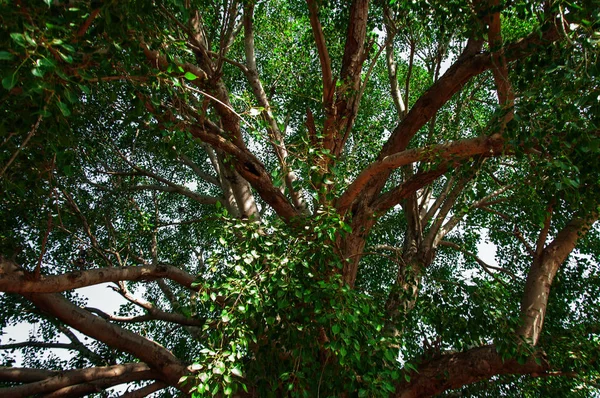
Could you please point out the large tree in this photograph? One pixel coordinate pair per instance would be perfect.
(290, 196)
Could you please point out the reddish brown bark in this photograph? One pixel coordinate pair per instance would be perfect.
(454, 151)
(452, 371)
(154, 355)
(139, 371)
(542, 273)
(471, 62)
(19, 282)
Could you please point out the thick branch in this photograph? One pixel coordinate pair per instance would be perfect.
(156, 356)
(506, 96)
(97, 386)
(456, 370)
(454, 151)
(250, 168)
(25, 375)
(275, 134)
(18, 282)
(73, 377)
(328, 86)
(542, 273)
(470, 63)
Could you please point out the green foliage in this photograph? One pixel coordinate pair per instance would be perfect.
(97, 154)
(274, 294)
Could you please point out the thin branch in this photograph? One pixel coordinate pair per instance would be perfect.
(37, 344)
(328, 85)
(541, 242)
(201, 199)
(439, 200)
(276, 137)
(392, 65)
(146, 391)
(454, 220)
(86, 227)
(486, 267)
(23, 144)
(154, 314)
(82, 348)
(203, 175)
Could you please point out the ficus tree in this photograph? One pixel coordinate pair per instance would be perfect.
(290, 196)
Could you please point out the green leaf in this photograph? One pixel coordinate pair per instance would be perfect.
(335, 328)
(66, 58)
(37, 72)
(19, 39)
(237, 372)
(410, 366)
(9, 81)
(6, 56)
(64, 109)
(190, 76)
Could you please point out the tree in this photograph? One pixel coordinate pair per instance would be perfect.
(290, 196)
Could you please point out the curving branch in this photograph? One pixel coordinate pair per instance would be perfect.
(470, 63)
(59, 380)
(275, 135)
(452, 371)
(154, 355)
(327, 75)
(454, 151)
(542, 273)
(21, 282)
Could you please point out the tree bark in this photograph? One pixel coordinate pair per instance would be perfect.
(73, 377)
(452, 371)
(542, 273)
(157, 357)
(19, 282)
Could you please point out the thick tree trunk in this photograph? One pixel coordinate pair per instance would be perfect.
(352, 246)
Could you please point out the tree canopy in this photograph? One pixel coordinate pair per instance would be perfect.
(291, 197)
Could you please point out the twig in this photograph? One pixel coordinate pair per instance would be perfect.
(23, 144)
